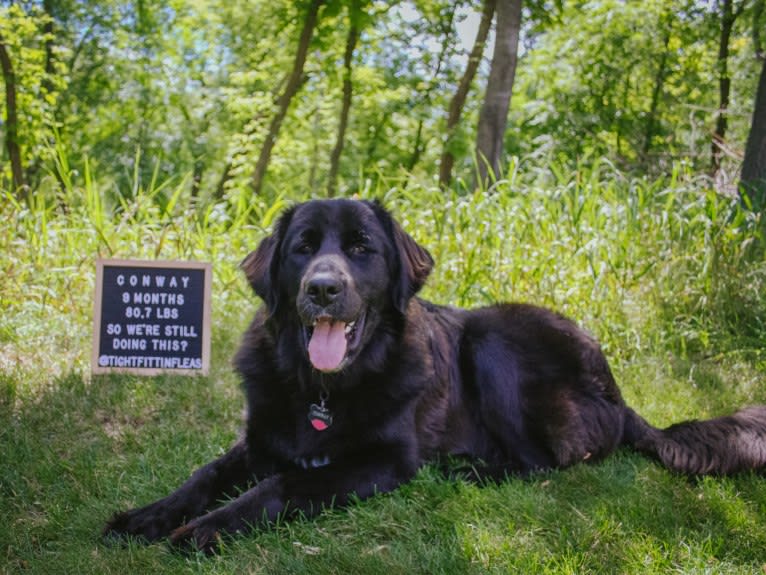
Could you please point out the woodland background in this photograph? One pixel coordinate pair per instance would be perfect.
(252, 97)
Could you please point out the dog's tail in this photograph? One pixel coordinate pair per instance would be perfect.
(720, 446)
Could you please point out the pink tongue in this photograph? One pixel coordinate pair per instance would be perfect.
(327, 347)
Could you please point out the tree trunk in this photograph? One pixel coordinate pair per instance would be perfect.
(753, 177)
(50, 68)
(758, 9)
(458, 100)
(659, 82)
(724, 85)
(493, 117)
(294, 82)
(372, 146)
(424, 102)
(197, 173)
(728, 17)
(220, 189)
(348, 88)
(417, 150)
(12, 122)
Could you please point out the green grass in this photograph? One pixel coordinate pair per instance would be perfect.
(670, 276)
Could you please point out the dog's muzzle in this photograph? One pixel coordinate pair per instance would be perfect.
(332, 313)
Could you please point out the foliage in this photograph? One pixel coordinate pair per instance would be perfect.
(588, 86)
(192, 85)
(25, 38)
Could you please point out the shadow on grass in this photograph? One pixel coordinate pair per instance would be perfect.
(81, 450)
(625, 515)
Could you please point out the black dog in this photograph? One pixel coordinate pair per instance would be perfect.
(353, 383)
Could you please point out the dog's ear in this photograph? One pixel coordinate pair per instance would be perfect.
(413, 260)
(257, 267)
(261, 266)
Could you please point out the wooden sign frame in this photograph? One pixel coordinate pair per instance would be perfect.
(151, 320)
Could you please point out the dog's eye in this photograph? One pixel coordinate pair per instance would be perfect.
(304, 248)
(358, 243)
(358, 249)
(306, 243)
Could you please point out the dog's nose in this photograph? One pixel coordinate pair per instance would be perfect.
(323, 288)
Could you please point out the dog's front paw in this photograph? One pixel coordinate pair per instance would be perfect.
(149, 523)
(202, 534)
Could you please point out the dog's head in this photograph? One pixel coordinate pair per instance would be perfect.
(336, 268)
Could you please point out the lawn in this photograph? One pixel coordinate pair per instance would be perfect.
(669, 276)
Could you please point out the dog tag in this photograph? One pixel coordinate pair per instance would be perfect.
(319, 417)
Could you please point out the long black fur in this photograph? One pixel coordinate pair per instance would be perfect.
(513, 387)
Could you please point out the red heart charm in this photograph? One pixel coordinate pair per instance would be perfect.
(319, 425)
(319, 417)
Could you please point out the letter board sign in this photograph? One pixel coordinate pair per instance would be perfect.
(151, 317)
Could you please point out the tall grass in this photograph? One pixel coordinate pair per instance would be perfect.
(668, 274)
(643, 263)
